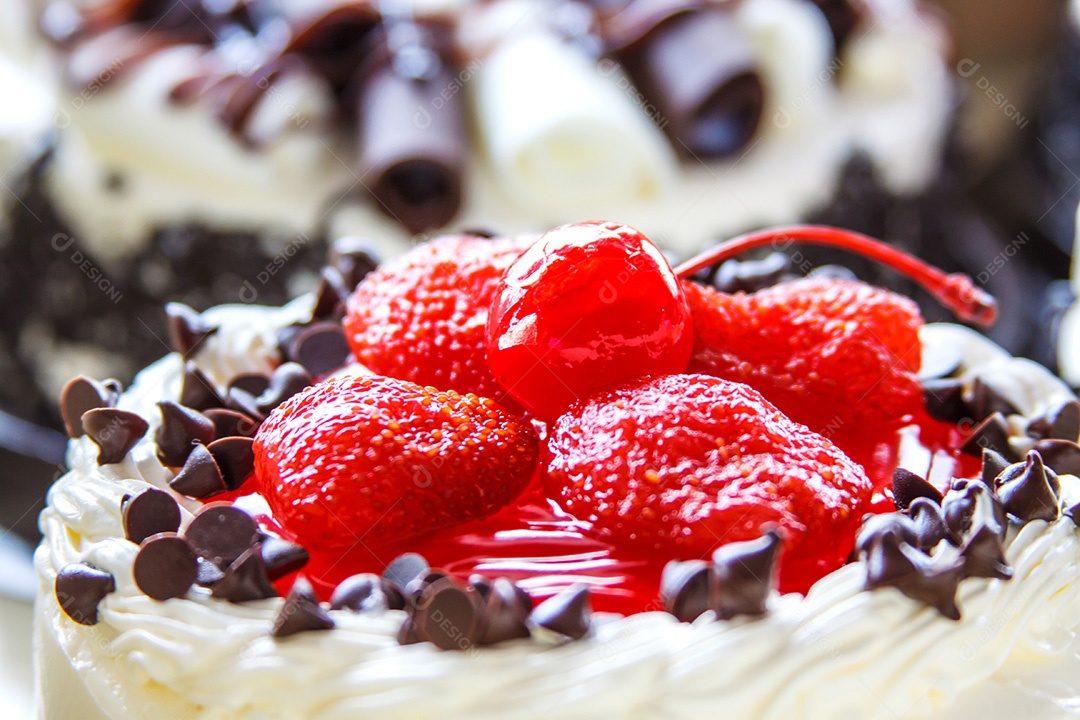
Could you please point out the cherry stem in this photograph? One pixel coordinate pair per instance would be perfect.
(955, 291)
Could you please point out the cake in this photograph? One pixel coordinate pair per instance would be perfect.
(583, 591)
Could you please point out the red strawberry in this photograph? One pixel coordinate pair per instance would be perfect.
(835, 355)
(681, 464)
(422, 317)
(353, 453)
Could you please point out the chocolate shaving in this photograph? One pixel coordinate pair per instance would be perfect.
(1061, 422)
(229, 423)
(504, 616)
(222, 533)
(165, 567)
(1061, 455)
(360, 593)
(114, 431)
(984, 555)
(301, 612)
(687, 588)
(567, 613)
(200, 477)
(944, 400)
(180, 430)
(80, 588)
(1030, 494)
(244, 580)
(907, 486)
(282, 557)
(746, 575)
(80, 395)
(149, 513)
(929, 522)
(197, 391)
(235, 457)
(187, 329)
(992, 433)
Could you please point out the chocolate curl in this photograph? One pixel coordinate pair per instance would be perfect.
(412, 132)
(699, 69)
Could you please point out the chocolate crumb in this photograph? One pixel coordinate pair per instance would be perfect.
(114, 431)
(360, 593)
(80, 588)
(907, 486)
(244, 580)
(1060, 422)
(222, 533)
(1030, 493)
(235, 457)
(149, 513)
(200, 477)
(282, 557)
(80, 395)
(181, 428)
(567, 613)
(187, 329)
(165, 566)
(301, 612)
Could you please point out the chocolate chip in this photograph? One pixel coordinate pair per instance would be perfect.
(354, 258)
(993, 464)
(165, 566)
(200, 477)
(405, 568)
(282, 557)
(114, 431)
(1061, 422)
(149, 513)
(1061, 455)
(359, 593)
(907, 486)
(222, 533)
(944, 400)
(229, 423)
(687, 588)
(80, 588)
(408, 634)
(244, 580)
(567, 613)
(244, 403)
(80, 395)
(896, 524)
(970, 503)
(301, 612)
(929, 521)
(253, 384)
(447, 615)
(197, 391)
(504, 616)
(988, 398)
(939, 361)
(321, 348)
(891, 562)
(208, 573)
(418, 584)
(746, 575)
(993, 433)
(1029, 494)
(235, 457)
(330, 297)
(181, 428)
(187, 329)
(288, 379)
(984, 555)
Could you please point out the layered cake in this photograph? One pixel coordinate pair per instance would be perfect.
(552, 477)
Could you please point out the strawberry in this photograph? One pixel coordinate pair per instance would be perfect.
(680, 464)
(422, 317)
(832, 354)
(353, 453)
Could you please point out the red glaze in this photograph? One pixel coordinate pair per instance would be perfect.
(588, 305)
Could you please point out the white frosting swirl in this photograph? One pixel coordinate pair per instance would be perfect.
(839, 652)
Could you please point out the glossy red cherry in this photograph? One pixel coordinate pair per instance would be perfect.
(588, 305)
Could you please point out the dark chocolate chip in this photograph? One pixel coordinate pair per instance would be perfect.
(929, 521)
(330, 297)
(408, 634)
(395, 598)
(197, 391)
(282, 557)
(243, 402)
(354, 258)
(993, 433)
(245, 579)
(235, 457)
(80, 588)
(1030, 494)
(893, 563)
(503, 617)
(993, 464)
(114, 431)
(253, 384)
(1061, 455)
(875, 526)
(907, 486)
(222, 533)
(984, 555)
(165, 566)
(971, 500)
(359, 593)
(418, 584)
(1073, 513)
(567, 613)
(944, 399)
(208, 573)
(187, 329)
(746, 575)
(321, 348)
(229, 423)
(288, 379)
(301, 612)
(688, 588)
(405, 568)
(200, 477)
(447, 615)
(988, 398)
(481, 585)
(1061, 422)
(181, 428)
(150, 512)
(80, 395)
(939, 361)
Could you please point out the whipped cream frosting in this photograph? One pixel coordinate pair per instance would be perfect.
(838, 652)
(551, 148)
